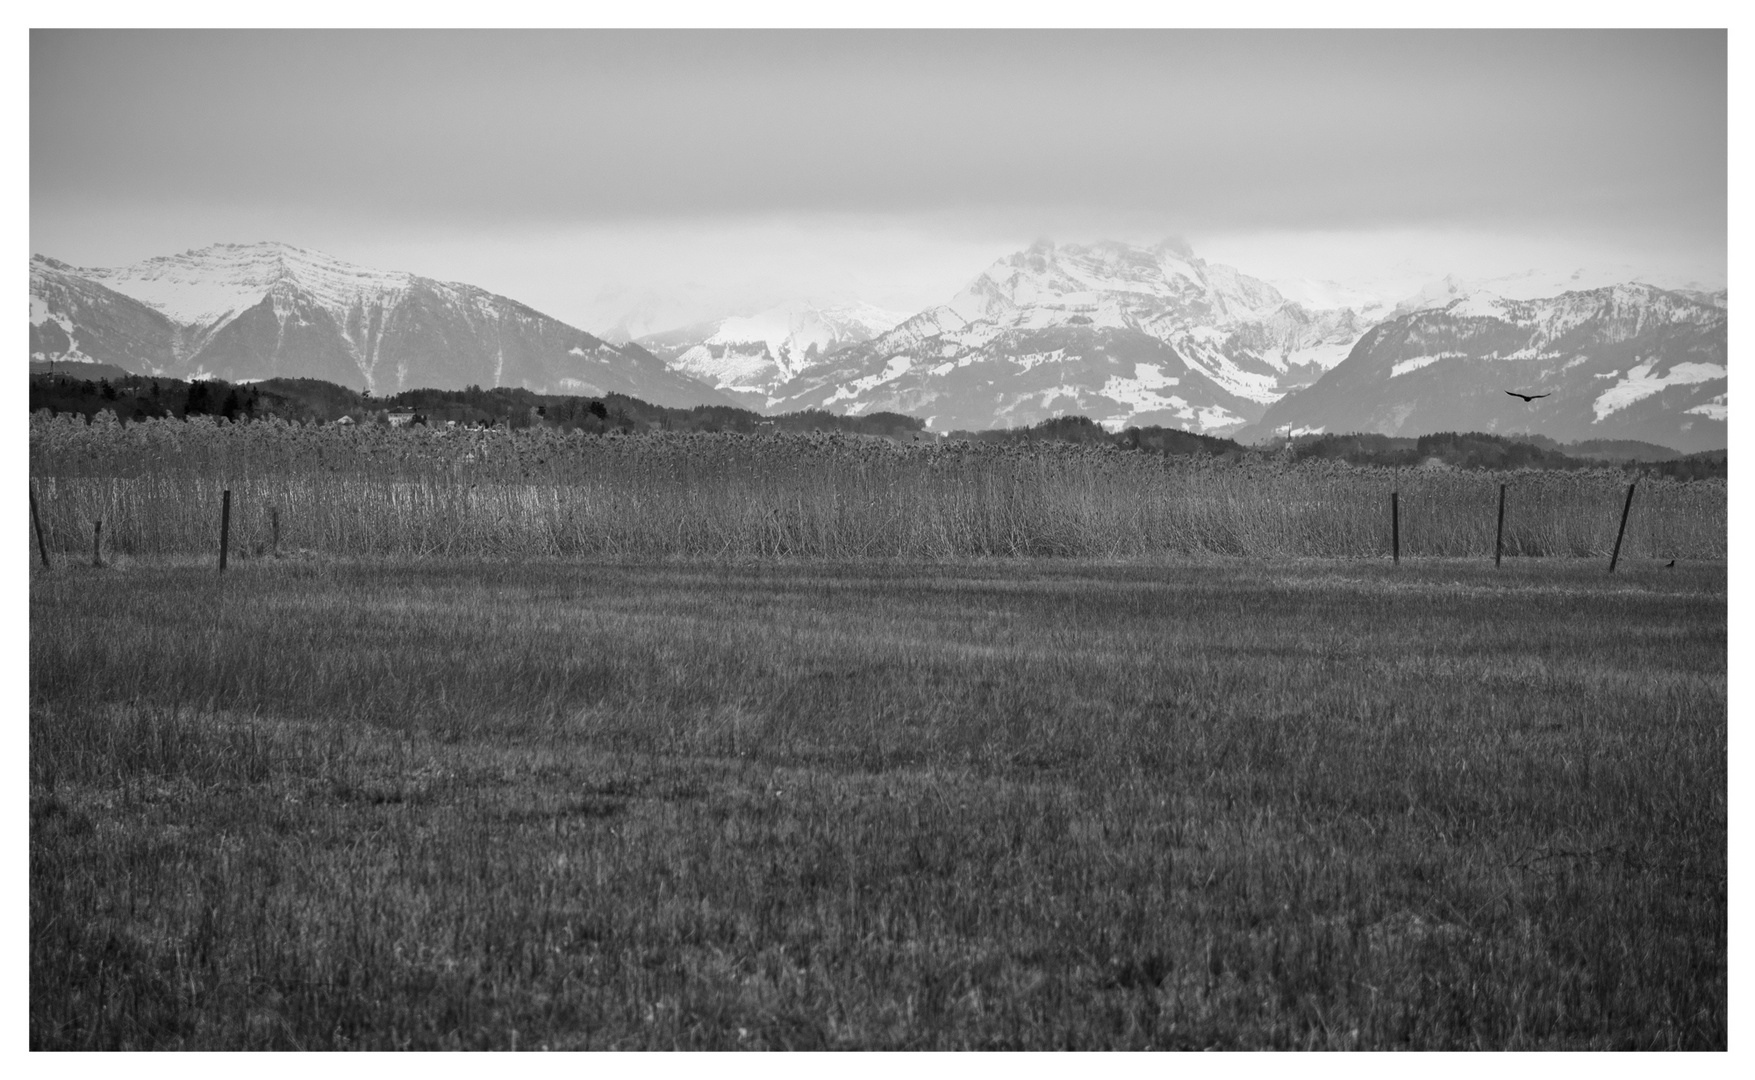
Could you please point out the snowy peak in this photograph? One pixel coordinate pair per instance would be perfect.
(752, 354)
(1133, 284)
(796, 334)
(203, 286)
(1434, 294)
(1209, 312)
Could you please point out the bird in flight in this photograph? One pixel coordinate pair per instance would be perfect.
(1527, 397)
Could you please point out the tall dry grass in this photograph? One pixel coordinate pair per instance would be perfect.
(423, 493)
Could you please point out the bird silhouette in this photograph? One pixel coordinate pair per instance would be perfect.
(1527, 397)
(1671, 565)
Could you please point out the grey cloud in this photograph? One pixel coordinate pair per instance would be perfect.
(1318, 129)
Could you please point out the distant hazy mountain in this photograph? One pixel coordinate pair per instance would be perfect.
(1332, 295)
(1622, 362)
(254, 311)
(1119, 333)
(749, 356)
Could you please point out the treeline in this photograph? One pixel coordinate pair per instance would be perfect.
(1079, 429)
(133, 397)
(1479, 450)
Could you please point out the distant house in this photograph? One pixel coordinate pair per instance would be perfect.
(345, 420)
(400, 418)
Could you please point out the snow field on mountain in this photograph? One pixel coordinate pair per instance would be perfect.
(1415, 363)
(897, 367)
(1143, 391)
(1640, 382)
(1712, 410)
(951, 365)
(1224, 372)
(1324, 355)
(198, 288)
(730, 369)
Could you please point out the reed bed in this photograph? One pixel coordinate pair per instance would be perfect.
(368, 491)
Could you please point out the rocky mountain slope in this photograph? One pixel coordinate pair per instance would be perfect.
(254, 311)
(1119, 333)
(1623, 362)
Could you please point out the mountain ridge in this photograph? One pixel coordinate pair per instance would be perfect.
(1626, 361)
(252, 311)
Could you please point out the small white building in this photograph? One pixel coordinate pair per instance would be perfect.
(400, 418)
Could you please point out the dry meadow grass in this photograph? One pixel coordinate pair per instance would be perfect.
(418, 494)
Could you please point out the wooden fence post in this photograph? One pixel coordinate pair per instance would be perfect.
(225, 527)
(37, 524)
(1395, 527)
(1626, 506)
(97, 542)
(1499, 536)
(274, 520)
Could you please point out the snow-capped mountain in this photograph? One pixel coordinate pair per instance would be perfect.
(1437, 294)
(76, 320)
(749, 356)
(1627, 361)
(254, 311)
(1120, 333)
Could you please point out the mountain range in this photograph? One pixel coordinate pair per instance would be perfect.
(253, 311)
(1624, 362)
(1126, 335)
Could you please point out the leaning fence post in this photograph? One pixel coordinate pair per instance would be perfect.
(1626, 506)
(37, 524)
(1499, 536)
(97, 542)
(225, 526)
(1395, 527)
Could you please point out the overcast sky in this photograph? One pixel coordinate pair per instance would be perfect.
(581, 171)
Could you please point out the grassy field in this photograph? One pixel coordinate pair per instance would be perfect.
(327, 803)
